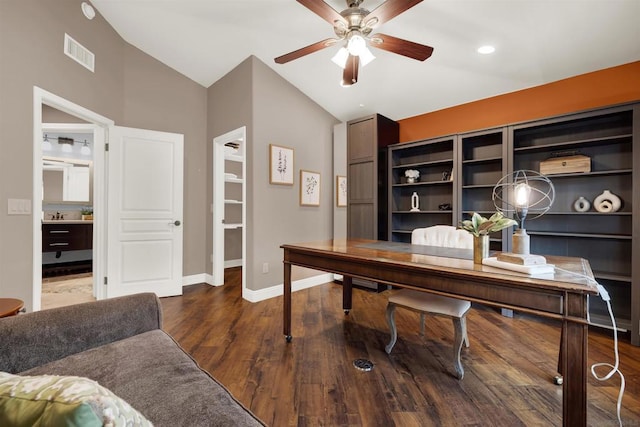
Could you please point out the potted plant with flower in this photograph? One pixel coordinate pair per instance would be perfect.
(481, 227)
(87, 213)
(412, 175)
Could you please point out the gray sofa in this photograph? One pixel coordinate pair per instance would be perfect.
(120, 344)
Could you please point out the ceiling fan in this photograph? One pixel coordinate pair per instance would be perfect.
(354, 25)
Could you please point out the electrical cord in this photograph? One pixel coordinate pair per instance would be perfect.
(604, 295)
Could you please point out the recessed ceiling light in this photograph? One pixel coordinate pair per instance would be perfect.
(88, 10)
(487, 49)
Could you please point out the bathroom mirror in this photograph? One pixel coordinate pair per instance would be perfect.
(66, 180)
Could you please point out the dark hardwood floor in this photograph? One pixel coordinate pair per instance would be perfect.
(312, 382)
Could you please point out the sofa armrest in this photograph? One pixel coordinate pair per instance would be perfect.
(33, 339)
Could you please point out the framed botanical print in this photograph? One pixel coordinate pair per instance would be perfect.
(280, 165)
(309, 188)
(341, 191)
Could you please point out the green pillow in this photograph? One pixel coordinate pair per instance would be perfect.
(52, 400)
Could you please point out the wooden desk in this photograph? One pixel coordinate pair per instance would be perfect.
(563, 297)
(10, 306)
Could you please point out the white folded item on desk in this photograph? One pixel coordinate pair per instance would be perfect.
(527, 269)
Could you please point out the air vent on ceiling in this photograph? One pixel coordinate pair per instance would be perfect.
(79, 53)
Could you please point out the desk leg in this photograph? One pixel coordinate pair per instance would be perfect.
(574, 364)
(347, 285)
(557, 380)
(287, 302)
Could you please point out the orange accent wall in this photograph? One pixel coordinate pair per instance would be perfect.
(602, 88)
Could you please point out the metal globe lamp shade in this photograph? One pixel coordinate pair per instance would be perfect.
(523, 194)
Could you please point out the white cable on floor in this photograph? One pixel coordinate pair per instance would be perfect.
(602, 292)
(614, 368)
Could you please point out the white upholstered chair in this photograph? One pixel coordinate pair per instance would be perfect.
(422, 302)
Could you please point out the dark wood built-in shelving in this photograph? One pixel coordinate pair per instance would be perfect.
(610, 241)
(435, 160)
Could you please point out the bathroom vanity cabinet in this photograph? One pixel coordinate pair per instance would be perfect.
(60, 236)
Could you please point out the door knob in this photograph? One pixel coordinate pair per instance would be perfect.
(176, 222)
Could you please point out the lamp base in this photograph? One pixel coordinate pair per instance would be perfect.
(520, 242)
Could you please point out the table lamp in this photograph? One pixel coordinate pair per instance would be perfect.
(520, 194)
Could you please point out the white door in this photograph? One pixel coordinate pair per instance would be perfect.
(144, 228)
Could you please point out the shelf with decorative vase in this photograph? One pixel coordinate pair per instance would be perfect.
(592, 216)
(429, 165)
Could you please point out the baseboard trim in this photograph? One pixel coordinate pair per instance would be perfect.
(263, 294)
(194, 279)
(208, 279)
(278, 290)
(233, 263)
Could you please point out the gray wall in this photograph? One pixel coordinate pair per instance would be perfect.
(275, 112)
(229, 107)
(135, 90)
(285, 116)
(339, 168)
(158, 98)
(128, 87)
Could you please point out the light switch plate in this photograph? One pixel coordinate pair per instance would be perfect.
(19, 207)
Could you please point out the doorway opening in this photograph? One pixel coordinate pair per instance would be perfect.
(67, 211)
(229, 204)
(85, 122)
(144, 242)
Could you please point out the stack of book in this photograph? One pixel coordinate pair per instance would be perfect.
(528, 264)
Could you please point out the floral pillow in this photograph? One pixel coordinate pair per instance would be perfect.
(52, 400)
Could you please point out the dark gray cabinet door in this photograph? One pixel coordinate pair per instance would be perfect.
(367, 139)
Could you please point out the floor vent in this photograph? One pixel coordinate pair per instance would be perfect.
(79, 53)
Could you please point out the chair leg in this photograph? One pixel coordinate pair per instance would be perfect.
(457, 346)
(463, 321)
(391, 308)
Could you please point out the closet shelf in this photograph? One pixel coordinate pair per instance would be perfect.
(232, 226)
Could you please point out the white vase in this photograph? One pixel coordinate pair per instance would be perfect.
(415, 202)
(581, 205)
(607, 202)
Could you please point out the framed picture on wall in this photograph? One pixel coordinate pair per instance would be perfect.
(309, 188)
(341, 191)
(280, 165)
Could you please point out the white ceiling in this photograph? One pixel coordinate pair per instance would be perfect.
(537, 41)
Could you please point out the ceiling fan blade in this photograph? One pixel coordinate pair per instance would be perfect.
(323, 10)
(388, 10)
(305, 51)
(401, 47)
(350, 73)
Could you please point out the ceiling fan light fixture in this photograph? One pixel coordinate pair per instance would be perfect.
(356, 44)
(366, 56)
(371, 23)
(340, 58)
